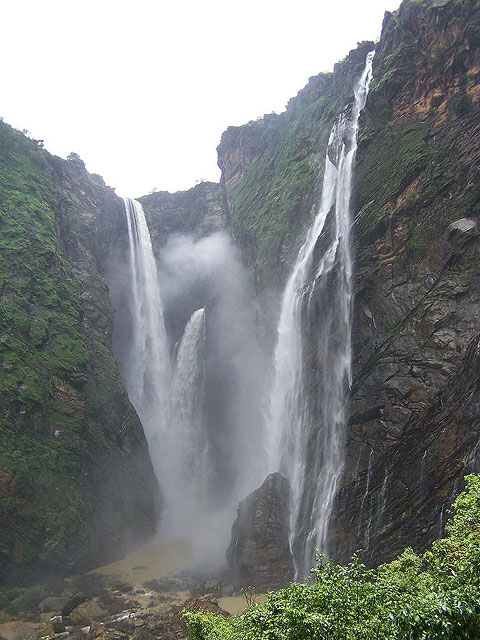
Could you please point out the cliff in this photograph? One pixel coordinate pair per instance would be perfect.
(414, 415)
(68, 434)
(272, 170)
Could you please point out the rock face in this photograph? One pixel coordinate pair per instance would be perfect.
(69, 437)
(414, 417)
(259, 552)
(196, 213)
(414, 423)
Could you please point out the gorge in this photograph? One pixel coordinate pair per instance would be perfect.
(314, 313)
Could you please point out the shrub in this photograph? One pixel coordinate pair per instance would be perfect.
(431, 596)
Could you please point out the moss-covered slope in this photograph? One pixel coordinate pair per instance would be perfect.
(272, 169)
(75, 479)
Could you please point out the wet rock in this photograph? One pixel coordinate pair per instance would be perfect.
(72, 603)
(259, 553)
(53, 603)
(58, 624)
(87, 613)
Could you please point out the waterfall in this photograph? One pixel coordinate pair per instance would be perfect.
(169, 393)
(189, 451)
(146, 367)
(311, 455)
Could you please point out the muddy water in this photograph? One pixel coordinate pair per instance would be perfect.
(158, 560)
(154, 560)
(237, 604)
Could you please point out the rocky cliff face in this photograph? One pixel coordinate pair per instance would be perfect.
(414, 414)
(415, 419)
(272, 170)
(259, 554)
(69, 436)
(196, 213)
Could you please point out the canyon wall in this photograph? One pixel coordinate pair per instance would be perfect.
(414, 408)
(69, 437)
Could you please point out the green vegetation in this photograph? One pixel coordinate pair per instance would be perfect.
(66, 429)
(271, 201)
(41, 349)
(431, 596)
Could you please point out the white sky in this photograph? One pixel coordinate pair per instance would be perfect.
(143, 90)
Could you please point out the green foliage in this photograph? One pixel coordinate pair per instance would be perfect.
(43, 357)
(460, 104)
(271, 201)
(434, 596)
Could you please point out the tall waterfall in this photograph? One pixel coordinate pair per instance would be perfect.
(169, 393)
(147, 370)
(306, 428)
(190, 446)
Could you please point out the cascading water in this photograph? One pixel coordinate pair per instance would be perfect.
(147, 374)
(190, 446)
(311, 455)
(205, 462)
(167, 396)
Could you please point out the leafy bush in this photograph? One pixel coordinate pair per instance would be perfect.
(430, 596)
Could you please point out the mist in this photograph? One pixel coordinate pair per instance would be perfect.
(207, 444)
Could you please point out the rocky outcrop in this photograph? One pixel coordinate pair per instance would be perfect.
(69, 437)
(197, 212)
(259, 553)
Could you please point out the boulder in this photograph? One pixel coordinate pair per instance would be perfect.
(53, 603)
(86, 613)
(259, 554)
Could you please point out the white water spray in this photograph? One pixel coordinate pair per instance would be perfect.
(189, 446)
(311, 455)
(147, 376)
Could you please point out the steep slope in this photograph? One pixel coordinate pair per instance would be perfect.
(414, 414)
(272, 170)
(415, 419)
(68, 435)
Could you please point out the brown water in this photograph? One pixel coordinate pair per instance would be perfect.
(154, 560)
(158, 560)
(237, 604)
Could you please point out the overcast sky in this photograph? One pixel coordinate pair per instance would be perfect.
(143, 90)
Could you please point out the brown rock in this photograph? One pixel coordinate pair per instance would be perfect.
(259, 553)
(18, 630)
(87, 613)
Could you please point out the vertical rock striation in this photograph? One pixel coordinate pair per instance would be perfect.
(259, 554)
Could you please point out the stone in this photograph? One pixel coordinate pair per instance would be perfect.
(53, 603)
(464, 225)
(259, 554)
(72, 603)
(86, 613)
(58, 624)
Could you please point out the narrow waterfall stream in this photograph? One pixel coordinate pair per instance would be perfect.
(146, 367)
(311, 455)
(190, 445)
